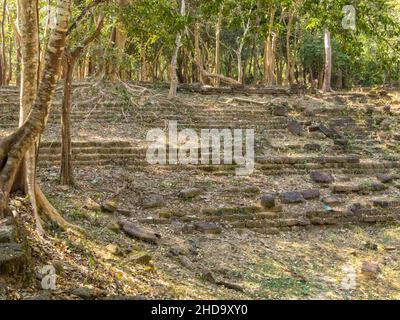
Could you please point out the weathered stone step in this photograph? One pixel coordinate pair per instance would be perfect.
(354, 159)
(386, 203)
(183, 120)
(51, 163)
(230, 125)
(331, 165)
(139, 161)
(96, 151)
(266, 218)
(231, 210)
(314, 218)
(90, 157)
(160, 122)
(87, 144)
(117, 106)
(358, 188)
(88, 117)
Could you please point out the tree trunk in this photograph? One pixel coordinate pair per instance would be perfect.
(66, 174)
(312, 82)
(29, 80)
(143, 68)
(14, 147)
(174, 77)
(240, 66)
(320, 79)
(112, 70)
(88, 65)
(328, 62)
(4, 75)
(269, 52)
(17, 44)
(290, 65)
(10, 54)
(246, 28)
(29, 55)
(1, 70)
(45, 37)
(279, 71)
(218, 46)
(255, 47)
(197, 55)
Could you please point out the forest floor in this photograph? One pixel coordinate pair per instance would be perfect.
(304, 264)
(315, 262)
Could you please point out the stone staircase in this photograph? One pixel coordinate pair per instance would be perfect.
(299, 141)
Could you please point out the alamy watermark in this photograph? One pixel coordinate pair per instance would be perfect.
(186, 147)
(49, 277)
(349, 281)
(349, 19)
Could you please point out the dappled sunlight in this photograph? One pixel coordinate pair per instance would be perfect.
(228, 150)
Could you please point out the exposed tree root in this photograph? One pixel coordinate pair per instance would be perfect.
(52, 214)
(244, 100)
(37, 198)
(134, 89)
(213, 76)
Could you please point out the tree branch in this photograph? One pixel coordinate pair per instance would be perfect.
(77, 51)
(93, 4)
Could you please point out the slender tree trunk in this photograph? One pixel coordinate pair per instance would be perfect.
(143, 63)
(255, 47)
(279, 71)
(17, 42)
(312, 82)
(3, 49)
(269, 52)
(112, 70)
(88, 65)
(197, 55)
(320, 79)
(10, 69)
(328, 62)
(1, 70)
(246, 28)
(174, 78)
(254, 59)
(290, 65)
(240, 66)
(218, 46)
(179, 69)
(10, 52)
(229, 67)
(45, 37)
(66, 174)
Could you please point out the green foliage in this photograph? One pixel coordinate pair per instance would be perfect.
(368, 55)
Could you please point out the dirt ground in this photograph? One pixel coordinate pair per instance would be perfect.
(305, 264)
(338, 262)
